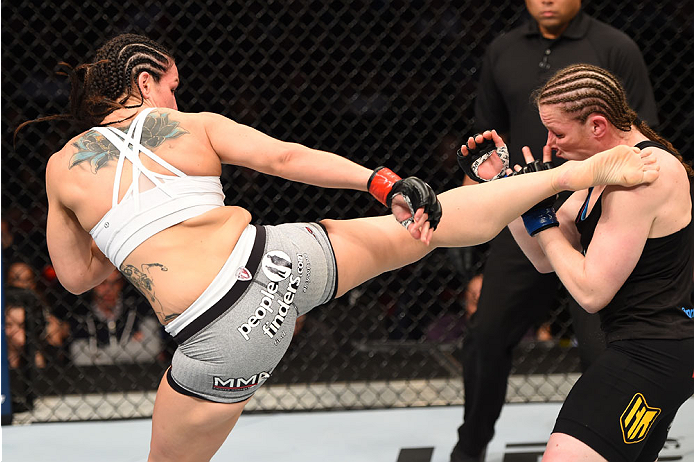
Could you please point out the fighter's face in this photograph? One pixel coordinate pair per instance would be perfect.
(569, 138)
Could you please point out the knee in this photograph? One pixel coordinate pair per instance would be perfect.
(562, 447)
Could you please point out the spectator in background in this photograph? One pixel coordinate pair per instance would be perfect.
(7, 247)
(451, 327)
(7, 237)
(24, 318)
(25, 328)
(472, 295)
(515, 297)
(114, 328)
(21, 275)
(16, 250)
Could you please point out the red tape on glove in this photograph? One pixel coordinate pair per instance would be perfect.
(381, 182)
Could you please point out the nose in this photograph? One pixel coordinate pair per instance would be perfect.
(551, 140)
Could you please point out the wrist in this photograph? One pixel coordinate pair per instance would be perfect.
(537, 220)
(381, 183)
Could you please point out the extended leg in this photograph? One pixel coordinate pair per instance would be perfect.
(367, 247)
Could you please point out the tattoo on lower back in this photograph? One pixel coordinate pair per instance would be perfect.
(142, 280)
(93, 147)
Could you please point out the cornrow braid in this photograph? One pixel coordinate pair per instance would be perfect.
(121, 60)
(112, 78)
(101, 87)
(584, 89)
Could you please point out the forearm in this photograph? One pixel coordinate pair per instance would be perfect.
(321, 168)
(79, 271)
(530, 247)
(78, 263)
(239, 144)
(570, 266)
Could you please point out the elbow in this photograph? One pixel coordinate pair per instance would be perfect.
(543, 267)
(591, 304)
(591, 308)
(79, 291)
(73, 282)
(285, 154)
(73, 287)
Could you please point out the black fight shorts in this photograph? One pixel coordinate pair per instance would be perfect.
(623, 405)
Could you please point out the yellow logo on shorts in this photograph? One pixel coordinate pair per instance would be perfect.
(637, 419)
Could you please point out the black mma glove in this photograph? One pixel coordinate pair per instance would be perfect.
(384, 184)
(542, 215)
(471, 163)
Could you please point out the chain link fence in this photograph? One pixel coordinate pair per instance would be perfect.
(382, 83)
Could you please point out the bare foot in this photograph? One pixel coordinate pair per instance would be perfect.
(621, 165)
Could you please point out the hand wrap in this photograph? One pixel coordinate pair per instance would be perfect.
(542, 215)
(384, 184)
(476, 156)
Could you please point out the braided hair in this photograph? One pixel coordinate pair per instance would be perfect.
(582, 89)
(112, 78)
(101, 87)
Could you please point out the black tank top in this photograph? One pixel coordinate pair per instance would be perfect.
(655, 301)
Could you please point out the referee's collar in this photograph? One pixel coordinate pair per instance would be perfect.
(578, 27)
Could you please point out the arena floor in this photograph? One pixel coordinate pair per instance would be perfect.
(395, 435)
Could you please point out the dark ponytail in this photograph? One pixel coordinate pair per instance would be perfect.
(99, 88)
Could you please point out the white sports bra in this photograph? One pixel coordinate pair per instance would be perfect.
(153, 201)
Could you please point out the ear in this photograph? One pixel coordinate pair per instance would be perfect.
(598, 125)
(145, 82)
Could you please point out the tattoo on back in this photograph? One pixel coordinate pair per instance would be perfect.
(93, 147)
(141, 279)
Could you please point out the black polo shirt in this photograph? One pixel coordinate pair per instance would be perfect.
(521, 60)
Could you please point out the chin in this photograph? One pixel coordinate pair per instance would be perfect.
(571, 155)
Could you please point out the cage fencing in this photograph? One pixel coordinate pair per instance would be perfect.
(382, 83)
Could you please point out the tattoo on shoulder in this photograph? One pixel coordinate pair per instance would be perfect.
(158, 128)
(93, 147)
(142, 280)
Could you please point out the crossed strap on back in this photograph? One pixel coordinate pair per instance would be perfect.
(130, 147)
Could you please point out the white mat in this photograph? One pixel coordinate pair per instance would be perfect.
(345, 436)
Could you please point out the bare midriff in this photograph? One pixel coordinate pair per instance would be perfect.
(181, 261)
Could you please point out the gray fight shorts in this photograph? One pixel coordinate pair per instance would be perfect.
(232, 338)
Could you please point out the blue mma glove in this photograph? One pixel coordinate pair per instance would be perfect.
(476, 156)
(542, 215)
